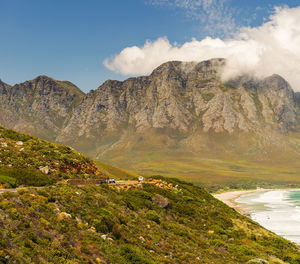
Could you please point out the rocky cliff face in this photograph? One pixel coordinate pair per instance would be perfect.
(39, 106)
(177, 100)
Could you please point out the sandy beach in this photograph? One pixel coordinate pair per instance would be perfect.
(229, 198)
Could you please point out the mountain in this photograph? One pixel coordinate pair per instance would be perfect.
(39, 106)
(184, 97)
(162, 221)
(183, 115)
(30, 161)
(179, 101)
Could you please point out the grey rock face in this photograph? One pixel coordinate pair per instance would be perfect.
(183, 97)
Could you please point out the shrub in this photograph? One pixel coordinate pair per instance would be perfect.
(153, 216)
(11, 134)
(105, 223)
(134, 255)
(8, 180)
(26, 176)
(184, 209)
(116, 231)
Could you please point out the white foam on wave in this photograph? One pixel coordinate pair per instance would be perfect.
(273, 199)
(274, 211)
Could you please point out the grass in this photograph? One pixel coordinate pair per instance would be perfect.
(201, 171)
(207, 96)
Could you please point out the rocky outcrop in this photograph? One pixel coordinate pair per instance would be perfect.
(161, 201)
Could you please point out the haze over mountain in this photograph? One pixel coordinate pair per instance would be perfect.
(182, 107)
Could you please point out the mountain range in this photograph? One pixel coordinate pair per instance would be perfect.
(182, 110)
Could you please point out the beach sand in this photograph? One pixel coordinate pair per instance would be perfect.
(230, 198)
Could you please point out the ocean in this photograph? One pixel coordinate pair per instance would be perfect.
(276, 210)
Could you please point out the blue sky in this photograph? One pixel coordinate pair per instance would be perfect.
(69, 39)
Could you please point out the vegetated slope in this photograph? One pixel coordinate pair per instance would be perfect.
(39, 106)
(27, 160)
(170, 222)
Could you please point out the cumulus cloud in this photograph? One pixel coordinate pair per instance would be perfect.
(273, 47)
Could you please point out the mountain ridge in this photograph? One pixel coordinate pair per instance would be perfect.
(176, 99)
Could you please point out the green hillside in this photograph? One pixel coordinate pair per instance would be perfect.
(162, 220)
(170, 222)
(30, 161)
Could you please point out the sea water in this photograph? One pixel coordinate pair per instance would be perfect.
(278, 211)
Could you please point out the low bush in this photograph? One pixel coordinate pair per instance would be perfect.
(25, 176)
(6, 180)
(153, 216)
(134, 255)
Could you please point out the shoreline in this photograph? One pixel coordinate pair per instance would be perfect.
(230, 198)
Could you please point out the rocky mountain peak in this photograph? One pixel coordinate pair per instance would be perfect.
(43, 78)
(276, 83)
(45, 83)
(4, 87)
(208, 68)
(2, 83)
(39, 106)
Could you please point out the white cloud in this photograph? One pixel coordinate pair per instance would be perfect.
(274, 47)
